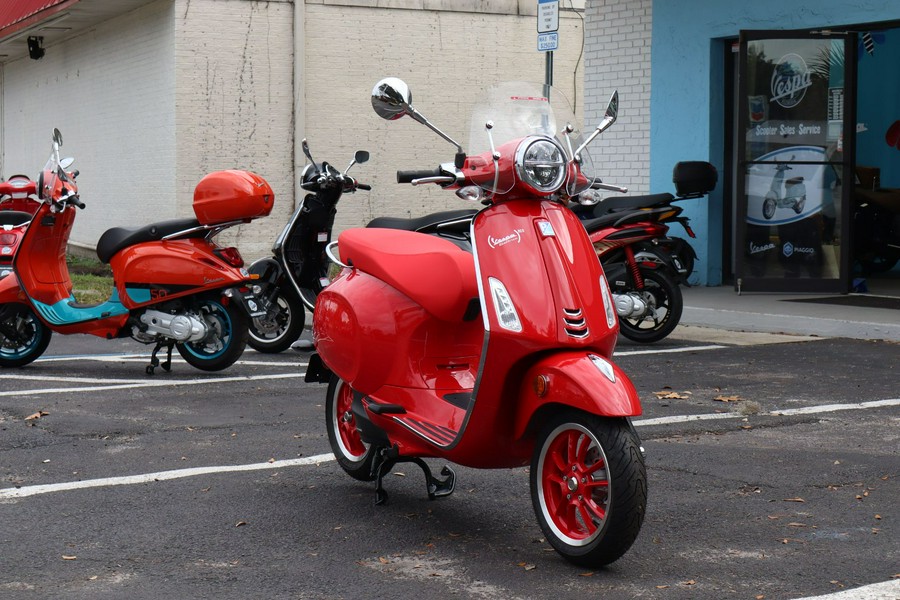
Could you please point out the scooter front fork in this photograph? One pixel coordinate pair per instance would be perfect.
(436, 488)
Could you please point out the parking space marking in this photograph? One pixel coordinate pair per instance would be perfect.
(144, 358)
(130, 383)
(32, 490)
(668, 350)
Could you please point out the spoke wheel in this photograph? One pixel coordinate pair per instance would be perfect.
(665, 304)
(23, 337)
(281, 326)
(355, 456)
(225, 340)
(589, 487)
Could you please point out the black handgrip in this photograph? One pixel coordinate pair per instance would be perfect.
(408, 176)
(363, 186)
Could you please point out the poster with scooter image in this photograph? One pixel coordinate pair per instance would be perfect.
(785, 202)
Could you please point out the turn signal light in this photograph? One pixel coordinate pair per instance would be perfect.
(541, 385)
(230, 255)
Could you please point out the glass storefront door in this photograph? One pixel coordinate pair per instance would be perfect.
(795, 135)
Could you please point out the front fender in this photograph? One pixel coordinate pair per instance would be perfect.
(577, 380)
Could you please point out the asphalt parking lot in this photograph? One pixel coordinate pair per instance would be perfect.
(773, 468)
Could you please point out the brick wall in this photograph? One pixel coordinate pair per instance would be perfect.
(617, 57)
(234, 103)
(447, 57)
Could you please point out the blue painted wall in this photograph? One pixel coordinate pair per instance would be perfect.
(687, 92)
(878, 106)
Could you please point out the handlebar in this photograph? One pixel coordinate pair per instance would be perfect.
(409, 176)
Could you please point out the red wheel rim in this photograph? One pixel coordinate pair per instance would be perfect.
(573, 476)
(344, 424)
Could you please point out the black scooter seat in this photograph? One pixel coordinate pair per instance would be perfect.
(620, 203)
(14, 217)
(118, 238)
(420, 223)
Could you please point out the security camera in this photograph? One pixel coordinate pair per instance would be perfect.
(35, 47)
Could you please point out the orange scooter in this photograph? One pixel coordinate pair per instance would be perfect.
(174, 286)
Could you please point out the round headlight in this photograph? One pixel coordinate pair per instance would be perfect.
(541, 164)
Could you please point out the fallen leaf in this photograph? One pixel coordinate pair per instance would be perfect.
(66, 557)
(240, 523)
(662, 587)
(383, 560)
(721, 398)
(878, 517)
(688, 582)
(530, 567)
(271, 460)
(760, 597)
(587, 574)
(796, 525)
(36, 415)
(673, 395)
(794, 500)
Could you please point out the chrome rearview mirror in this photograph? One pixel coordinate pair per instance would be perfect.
(609, 117)
(392, 99)
(57, 137)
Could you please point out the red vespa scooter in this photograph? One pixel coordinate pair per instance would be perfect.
(493, 359)
(174, 286)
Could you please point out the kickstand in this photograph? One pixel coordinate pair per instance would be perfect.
(436, 488)
(154, 361)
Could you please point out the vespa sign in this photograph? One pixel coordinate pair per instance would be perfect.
(790, 80)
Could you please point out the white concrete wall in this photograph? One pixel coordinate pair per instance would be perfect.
(617, 57)
(234, 103)
(447, 57)
(110, 91)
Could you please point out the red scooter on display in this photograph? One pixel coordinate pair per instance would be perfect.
(174, 286)
(497, 358)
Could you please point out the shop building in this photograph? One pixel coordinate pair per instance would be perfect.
(796, 104)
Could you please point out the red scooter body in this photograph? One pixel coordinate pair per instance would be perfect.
(17, 207)
(174, 286)
(435, 352)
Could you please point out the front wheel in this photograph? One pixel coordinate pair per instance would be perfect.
(281, 325)
(769, 207)
(354, 455)
(23, 337)
(589, 487)
(225, 340)
(664, 306)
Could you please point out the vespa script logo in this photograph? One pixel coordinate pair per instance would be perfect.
(515, 236)
(790, 80)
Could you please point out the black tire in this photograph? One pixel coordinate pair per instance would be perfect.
(227, 338)
(666, 304)
(589, 487)
(769, 207)
(352, 454)
(799, 204)
(281, 326)
(23, 337)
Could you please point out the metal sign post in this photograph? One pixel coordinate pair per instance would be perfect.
(548, 36)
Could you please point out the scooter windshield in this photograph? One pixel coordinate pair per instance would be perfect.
(515, 110)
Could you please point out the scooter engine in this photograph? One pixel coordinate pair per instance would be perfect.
(181, 328)
(629, 305)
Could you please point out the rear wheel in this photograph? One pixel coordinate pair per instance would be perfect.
(664, 306)
(354, 455)
(225, 341)
(23, 337)
(589, 487)
(280, 326)
(769, 207)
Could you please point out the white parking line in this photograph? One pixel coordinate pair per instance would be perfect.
(887, 590)
(130, 383)
(11, 493)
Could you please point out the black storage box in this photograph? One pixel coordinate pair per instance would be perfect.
(694, 178)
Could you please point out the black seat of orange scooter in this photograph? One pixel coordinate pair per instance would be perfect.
(431, 271)
(620, 203)
(117, 238)
(14, 217)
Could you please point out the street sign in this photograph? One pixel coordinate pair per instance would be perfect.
(548, 42)
(547, 16)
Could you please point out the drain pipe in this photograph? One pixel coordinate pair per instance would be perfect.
(299, 159)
